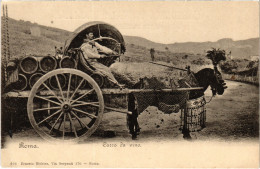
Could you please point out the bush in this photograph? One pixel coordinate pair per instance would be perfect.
(27, 31)
(228, 66)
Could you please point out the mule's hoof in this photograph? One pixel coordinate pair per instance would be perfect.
(187, 136)
(134, 137)
(138, 130)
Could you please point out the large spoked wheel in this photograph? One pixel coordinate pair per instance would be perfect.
(65, 114)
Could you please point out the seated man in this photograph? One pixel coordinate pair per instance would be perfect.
(91, 51)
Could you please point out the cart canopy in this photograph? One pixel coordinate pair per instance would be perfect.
(99, 29)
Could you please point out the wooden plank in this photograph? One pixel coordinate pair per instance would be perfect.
(163, 90)
(104, 91)
(17, 94)
(118, 110)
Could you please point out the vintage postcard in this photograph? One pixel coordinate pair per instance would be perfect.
(129, 84)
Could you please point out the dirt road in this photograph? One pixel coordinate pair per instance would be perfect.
(233, 116)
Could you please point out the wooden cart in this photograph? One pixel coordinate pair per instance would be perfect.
(67, 104)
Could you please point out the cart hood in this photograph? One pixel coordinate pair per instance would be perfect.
(99, 29)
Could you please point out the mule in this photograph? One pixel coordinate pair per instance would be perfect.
(204, 78)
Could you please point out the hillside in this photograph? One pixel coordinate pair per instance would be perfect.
(31, 38)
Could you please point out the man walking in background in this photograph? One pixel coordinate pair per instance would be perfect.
(152, 51)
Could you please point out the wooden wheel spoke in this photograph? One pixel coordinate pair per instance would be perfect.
(56, 122)
(68, 91)
(49, 117)
(87, 103)
(52, 92)
(70, 127)
(82, 96)
(88, 114)
(47, 99)
(77, 89)
(57, 79)
(80, 122)
(73, 127)
(64, 120)
(49, 108)
(60, 125)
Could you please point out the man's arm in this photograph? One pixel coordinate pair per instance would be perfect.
(89, 52)
(104, 49)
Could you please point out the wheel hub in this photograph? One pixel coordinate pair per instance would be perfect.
(66, 107)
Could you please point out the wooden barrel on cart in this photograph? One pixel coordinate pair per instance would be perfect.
(34, 78)
(68, 62)
(21, 84)
(29, 65)
(47, 64)
(58, 82)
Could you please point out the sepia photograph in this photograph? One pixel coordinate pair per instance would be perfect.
(108, 84)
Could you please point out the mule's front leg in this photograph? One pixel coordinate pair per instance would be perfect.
(132, 119)
(136, 124)
(186, 134)
(131, 126)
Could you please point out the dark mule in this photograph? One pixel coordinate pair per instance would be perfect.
(204, 78)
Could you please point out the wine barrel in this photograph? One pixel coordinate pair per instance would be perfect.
(68, 62)
(48, 63)
(75, 82)
(34, 78)
(29, 65)
(21, 84)
(54, 84)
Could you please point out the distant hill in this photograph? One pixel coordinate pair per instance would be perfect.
(240, 49)
(139, 41)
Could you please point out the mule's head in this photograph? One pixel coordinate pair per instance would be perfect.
(217, 83)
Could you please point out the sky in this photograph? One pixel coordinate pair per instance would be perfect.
(163, 22)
